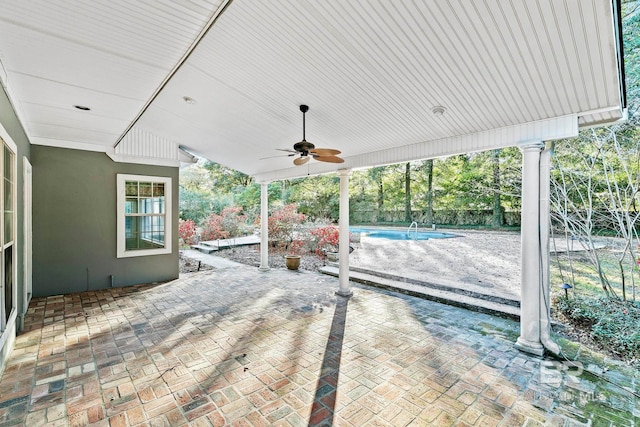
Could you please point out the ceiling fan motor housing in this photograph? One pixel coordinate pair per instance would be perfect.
(303, 147)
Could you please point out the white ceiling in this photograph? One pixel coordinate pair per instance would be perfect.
(371, 72)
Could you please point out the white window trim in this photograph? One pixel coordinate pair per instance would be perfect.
(9, 325)
(121, 251)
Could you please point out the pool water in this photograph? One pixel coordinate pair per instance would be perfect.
(401, 235)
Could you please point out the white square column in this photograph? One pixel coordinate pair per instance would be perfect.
(264, 226)
(531, 251)
(343, 243)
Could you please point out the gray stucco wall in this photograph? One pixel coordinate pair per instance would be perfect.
(74, 224)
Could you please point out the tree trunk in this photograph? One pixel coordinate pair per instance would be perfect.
(497, 207)
(407, 193)
(376, 176)
(429, 216)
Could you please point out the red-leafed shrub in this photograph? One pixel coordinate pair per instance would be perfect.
(229, 223)
(285, 229)
(327, 239)
(187, 232)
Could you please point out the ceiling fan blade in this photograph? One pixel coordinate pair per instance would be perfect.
(329, 159)
(287, 150)
(301, 160)
(324, 151)
(281, 155)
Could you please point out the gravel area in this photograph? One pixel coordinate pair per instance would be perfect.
(190, 265)
(483, 261)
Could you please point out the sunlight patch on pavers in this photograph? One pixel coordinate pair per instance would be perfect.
(218, 347)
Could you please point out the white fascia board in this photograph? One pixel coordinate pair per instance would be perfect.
(153, 161)
(141, 160)
(68, 144)
(541, 130)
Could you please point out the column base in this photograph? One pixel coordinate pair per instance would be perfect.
(346, 294)
(529, 347)
(263, 268)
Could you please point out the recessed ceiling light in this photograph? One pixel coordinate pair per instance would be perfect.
(189, 100)
(82, 107)
(438, 110)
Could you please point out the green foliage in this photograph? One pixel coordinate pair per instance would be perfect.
(225, 179)
(613, 323)
(194, 205)
(316, 196)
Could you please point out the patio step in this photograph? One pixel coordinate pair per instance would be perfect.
(207, 249)
(458, 297)
(208, 246)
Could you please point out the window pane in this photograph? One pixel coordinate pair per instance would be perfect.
(157, 206)
(8, 163)
(8, 226)
(144, 232)
(8, 194)
(131, 188)
(128, 227)
(131, 205)
(143, 205)
(145, 189)
(8, 211)
(8, 281)
(158, 189)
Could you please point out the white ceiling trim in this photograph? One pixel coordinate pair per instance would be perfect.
(142, 146)
(542, 130)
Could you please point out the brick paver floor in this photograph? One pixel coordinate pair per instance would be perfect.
(241, 347)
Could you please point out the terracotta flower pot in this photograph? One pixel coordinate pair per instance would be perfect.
(292, 261)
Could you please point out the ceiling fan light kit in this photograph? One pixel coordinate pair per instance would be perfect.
(305, 149)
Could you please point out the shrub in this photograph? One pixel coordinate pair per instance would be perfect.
(230, 223)
(285, 227)
(326, 239)
(611, 322)
(187, 232)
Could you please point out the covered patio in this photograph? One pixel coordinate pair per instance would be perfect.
(101, 103)
(240, 347)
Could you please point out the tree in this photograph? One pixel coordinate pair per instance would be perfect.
(497, 206)
(407, 193)
(596, 177)
(225, 179)
(376, 175)
(429, 170)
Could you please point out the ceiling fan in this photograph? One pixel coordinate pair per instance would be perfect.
(305, 150)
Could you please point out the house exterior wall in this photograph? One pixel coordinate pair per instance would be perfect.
(12, 126)
(74, 224)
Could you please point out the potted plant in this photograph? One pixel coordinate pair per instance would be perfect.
(292, 258)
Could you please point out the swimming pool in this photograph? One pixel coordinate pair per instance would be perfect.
(400, 235)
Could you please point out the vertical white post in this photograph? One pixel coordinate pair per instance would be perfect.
(545, 224)
(343, 253)
(529, 340)
(264, 226)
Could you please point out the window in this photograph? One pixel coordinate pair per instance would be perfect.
(144, 215)
(8, 293)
